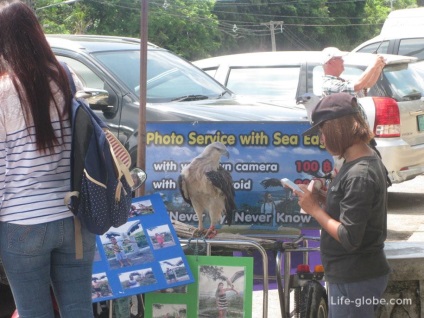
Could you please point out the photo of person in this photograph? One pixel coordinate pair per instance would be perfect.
(270, 203)
(100, 286)
(160, 236)
(170, 275)
(169, 311)
(119, 251)
(221, 298)
(174, 270)
(221, 291)
(139, 278)
(126, 246)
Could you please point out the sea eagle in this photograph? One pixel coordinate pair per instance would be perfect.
(208, 187)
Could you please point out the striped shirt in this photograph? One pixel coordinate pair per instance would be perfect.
(32, 184)
(333, 84)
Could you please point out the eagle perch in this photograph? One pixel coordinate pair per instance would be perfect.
(208, 187)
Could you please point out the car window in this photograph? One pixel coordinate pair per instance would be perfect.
(418, 67)
(378, 47)
(405, 83)
(168, 76)
(349, 73)
(87, 77)
(317, 74)
(278, 82)
(412, 47)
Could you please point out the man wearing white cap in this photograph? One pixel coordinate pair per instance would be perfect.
(333, 65)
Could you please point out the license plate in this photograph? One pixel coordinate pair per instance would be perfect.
(420, 121)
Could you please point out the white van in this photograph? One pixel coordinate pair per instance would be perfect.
(401, 34)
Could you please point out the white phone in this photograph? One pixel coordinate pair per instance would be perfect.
(290, 184)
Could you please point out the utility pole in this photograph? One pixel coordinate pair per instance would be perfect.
(141, 138)
(271, 25)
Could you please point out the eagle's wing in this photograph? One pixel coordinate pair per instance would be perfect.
(271, 182)
(134, 227)
(236, 276)
(222, 180)
(169, 263)
(183, 189)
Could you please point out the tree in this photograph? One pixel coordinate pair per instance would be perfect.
(197, 29)
(375, 13)
(62, 19)
(186, 27)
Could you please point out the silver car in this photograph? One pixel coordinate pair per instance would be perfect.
(394, 106)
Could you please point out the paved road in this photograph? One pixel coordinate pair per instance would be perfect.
(405, 222)
(405, 215)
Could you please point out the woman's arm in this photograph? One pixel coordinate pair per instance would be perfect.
(309, 202)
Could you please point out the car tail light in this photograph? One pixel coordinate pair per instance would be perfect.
(387, 118)
(319, 269)
(303, 268)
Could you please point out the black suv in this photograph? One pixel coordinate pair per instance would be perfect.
(176, 89)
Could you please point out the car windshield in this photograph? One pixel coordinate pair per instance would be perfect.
(169, 78)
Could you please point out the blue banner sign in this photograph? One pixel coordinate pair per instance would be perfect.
(258, 152)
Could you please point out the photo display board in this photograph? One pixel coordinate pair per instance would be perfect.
(140, 256)
(223, 288)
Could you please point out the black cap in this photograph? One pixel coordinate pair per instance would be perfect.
(331, 107)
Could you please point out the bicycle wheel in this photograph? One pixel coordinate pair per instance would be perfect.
(313, 301)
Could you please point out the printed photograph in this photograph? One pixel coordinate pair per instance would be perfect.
(126, 246)
(100, 286)
(169, 311)
(221, 291)
(141, 208)
(160, 236)
(182, 289)
(138, 278)
(174, 270)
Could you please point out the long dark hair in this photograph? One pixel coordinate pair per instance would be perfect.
(27, 58)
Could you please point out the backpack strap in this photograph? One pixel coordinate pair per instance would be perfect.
(77, 222)
(122, 160)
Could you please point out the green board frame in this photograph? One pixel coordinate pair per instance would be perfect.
(199, 298)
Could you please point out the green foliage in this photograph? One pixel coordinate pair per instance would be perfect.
(197, 29)
(186, 27)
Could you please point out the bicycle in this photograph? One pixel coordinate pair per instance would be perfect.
(310, 296)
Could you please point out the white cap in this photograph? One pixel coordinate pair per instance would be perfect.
(329, 52)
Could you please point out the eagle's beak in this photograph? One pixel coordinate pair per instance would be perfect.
(227, 154)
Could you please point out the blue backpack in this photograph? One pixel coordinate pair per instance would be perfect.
(100, 195)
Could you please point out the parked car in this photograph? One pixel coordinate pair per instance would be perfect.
(176, 90)
(411, 44)
(394, 106)
(402, 34)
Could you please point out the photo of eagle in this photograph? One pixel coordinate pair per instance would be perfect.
(206, 186)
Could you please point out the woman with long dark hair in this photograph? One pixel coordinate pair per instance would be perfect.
(37, 240)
